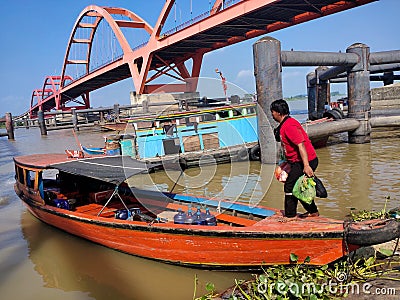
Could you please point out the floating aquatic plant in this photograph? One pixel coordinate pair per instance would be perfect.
(303, 281)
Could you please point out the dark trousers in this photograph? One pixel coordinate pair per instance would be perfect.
(296, 170)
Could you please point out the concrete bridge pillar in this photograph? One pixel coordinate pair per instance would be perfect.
(268, 74)
(358, 91)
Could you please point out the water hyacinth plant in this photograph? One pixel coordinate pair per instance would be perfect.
(303, 281)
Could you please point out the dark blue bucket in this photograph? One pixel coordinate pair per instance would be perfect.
(61, 203)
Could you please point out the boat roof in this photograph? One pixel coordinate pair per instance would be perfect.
(190, 113)
(111, 169)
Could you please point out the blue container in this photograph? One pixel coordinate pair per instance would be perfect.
(189, 217)
(198, 220)
(210, 219)
(199, 211)
(61, 203)
(112, 152)
(135, 211)
(180, 217)
(123, 214)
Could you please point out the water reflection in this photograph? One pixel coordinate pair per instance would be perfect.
(360, 176)
(246, 181)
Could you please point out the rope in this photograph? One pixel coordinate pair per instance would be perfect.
(346, 228)
(394, 250)
(176, 182)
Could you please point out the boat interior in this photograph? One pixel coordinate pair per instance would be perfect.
(96, 198)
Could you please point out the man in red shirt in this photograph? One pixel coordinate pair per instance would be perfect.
(299, 153)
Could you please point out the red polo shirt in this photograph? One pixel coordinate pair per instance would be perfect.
(293, 134)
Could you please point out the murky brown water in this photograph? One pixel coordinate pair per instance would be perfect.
(41, 262)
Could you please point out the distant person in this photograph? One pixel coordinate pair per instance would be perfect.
(299, 153)
(109, 117)
(169, 128)
(327, 106)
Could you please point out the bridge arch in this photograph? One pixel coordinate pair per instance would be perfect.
(51, 87)
(36, 102)
(101, 13)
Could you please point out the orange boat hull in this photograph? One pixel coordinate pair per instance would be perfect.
(200, 246)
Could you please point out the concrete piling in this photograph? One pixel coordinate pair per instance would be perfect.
(26, 123)
(9, 126)
(116, 112)
(358, 91)
(268, 74)
(74, 119)
(311, 96)
(42, 123)
(323, 92)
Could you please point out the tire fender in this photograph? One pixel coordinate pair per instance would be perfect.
(334, 114)
(243, 154)
(390, 230)
(255, 153)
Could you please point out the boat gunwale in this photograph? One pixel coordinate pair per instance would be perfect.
(250, 232)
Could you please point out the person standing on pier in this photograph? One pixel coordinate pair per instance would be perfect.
(299, 153)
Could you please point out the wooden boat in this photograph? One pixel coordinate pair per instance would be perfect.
(94, 150)
(90, 198)
(115, 144)
(115, 126)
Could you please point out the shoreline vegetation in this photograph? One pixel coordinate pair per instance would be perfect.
(335, 95)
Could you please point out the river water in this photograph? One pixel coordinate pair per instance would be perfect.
(41, 262)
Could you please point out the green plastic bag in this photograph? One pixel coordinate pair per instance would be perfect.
(304, 189)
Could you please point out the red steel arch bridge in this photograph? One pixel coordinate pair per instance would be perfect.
(176, 53)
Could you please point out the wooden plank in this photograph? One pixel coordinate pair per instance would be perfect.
(210, 141)
(191, 143)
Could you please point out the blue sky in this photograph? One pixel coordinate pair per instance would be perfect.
(34, 38)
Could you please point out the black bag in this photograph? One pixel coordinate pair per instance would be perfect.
(320, 189)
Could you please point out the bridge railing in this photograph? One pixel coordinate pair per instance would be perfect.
(197, 18)
(95, 69)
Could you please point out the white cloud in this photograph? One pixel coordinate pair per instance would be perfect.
(244, 74)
